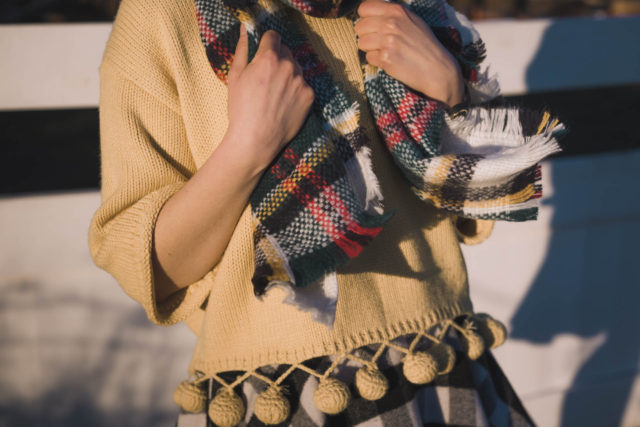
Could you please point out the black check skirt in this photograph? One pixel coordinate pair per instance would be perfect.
(474, 393)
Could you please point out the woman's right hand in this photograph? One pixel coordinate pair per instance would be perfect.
(268, 103)
(268, 100)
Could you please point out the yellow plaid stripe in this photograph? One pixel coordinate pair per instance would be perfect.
(286, 187)
(510, 199)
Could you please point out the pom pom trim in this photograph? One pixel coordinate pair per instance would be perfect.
(475, 330)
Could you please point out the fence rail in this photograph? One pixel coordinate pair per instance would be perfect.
(50, 66)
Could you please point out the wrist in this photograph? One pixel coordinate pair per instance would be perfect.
(244, 152)
(457, 93)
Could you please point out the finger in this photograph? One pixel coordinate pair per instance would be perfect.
(379, 59)
(373, 57)
(371, 41)
(372, 24)
(286, 54)
(417, 20)
(241, 56)
(370, 8)
(270, 42)
(380, 8)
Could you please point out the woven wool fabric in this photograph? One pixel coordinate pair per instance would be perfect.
(318, 205)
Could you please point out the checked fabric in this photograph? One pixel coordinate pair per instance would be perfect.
(319, 204)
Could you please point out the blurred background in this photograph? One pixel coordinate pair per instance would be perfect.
(75, 351)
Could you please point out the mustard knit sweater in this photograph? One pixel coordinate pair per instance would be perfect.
(162, 114)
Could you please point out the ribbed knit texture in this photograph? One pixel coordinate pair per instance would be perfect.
(162, 113)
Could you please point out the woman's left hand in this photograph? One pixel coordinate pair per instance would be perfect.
(400, 43)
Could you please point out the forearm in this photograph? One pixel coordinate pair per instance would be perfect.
(268, 103)
(195, 225)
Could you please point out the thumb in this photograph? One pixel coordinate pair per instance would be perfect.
(241, 56)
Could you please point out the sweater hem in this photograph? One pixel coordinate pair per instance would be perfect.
(348, 343)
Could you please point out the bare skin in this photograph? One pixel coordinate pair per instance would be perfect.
(196, 224)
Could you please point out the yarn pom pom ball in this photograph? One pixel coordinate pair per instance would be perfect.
(420, 367)
(472, 344)
(226, 409)
(445, 357)
(271, 407)
(331, 396)
(493, 332)
(190, 397)
(371, 384)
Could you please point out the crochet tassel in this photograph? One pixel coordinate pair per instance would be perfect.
(271, 407)
(493, 332)
(226, 409)
(190, 397)
(420, 367)
(370, 382)
(332, 396)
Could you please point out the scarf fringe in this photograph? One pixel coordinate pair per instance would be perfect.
(468, 32)
(485, 88)
(505, 152)
(360, 168)
(498, 132)
(319, 298)
(372, 194)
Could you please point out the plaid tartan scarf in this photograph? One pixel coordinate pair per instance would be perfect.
(319, 203)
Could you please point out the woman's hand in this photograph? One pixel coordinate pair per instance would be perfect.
(400, 43)
(268, 99)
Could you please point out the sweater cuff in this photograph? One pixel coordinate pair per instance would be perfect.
(472, 231)
(124, 248)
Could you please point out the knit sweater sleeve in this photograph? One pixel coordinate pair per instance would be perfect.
(145, 159)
